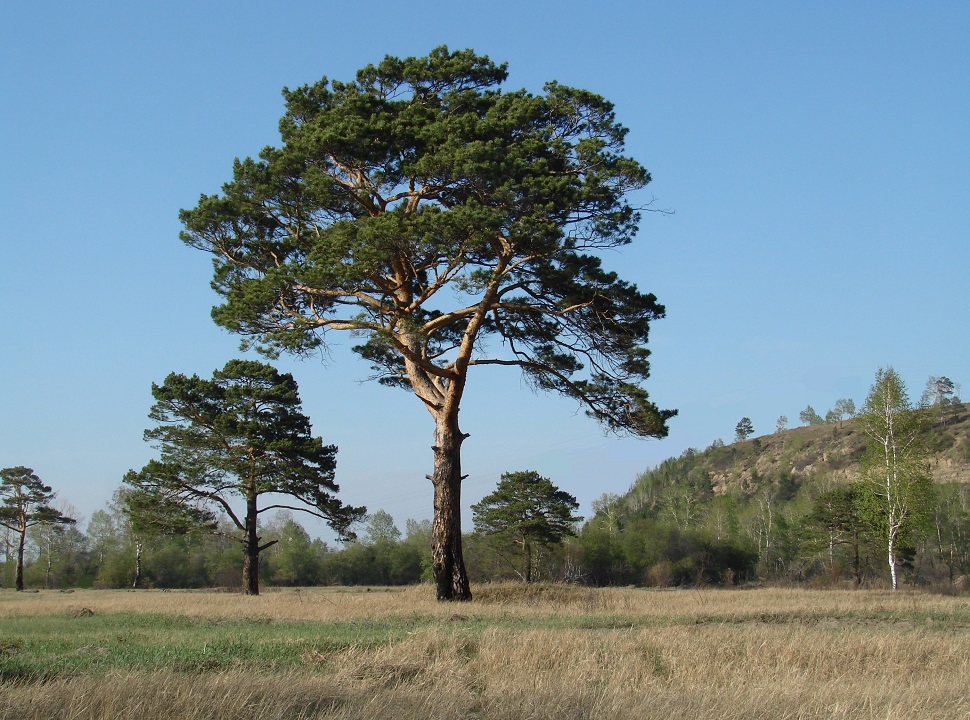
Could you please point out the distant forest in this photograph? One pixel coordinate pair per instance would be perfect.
(789, 507)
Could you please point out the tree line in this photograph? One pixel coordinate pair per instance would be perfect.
(890, 525)
(525, 518)
(232, 449)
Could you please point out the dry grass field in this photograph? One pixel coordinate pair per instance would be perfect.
(513, 653)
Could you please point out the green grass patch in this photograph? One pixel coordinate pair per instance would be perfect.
(38, 648)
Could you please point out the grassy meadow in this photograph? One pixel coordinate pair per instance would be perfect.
(515, 652)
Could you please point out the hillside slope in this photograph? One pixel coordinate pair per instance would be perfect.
(767, 509)
(825, 452)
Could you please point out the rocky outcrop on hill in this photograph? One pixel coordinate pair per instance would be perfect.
(832, 451)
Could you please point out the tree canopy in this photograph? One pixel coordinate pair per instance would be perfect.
(527, 510)
(942, 393)
(808, 416)
(895, 460)
(25, 502)
(380, 528)
(743, 429)
(239, 436)
(449, 224)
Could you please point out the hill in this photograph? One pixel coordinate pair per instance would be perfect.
(782, 507)
(829, 452)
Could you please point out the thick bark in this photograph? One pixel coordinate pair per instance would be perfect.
(448, 565)
(20, 559)
(250, 576)
(250, 573)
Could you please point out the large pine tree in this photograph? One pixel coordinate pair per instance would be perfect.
(451, 225)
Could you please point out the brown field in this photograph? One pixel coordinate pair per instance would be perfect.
(539, 652)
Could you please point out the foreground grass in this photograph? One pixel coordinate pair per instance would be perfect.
(544, 652)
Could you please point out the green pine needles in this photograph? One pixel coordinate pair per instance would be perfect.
(451, 225)
(528, 511)
(226, 444)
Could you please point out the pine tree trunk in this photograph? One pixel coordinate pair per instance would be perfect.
(447, 563)
(250, 576)
(250, 573)
(20, 560)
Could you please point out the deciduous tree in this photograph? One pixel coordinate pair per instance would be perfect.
(528, 510)
(844, 408)
(25, 502)
(607, 506)
(895, 460)
(296, 559)
(105, 536)
(381, 528)
(237, 437)
(808, 416)
(427, 211)
(62, 548)
(144, 514)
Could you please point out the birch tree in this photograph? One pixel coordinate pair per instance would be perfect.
(808, 416)
(844, 408)
(895, 460)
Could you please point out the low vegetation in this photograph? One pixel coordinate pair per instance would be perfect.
(518, 651)
(794, 507)
(785, 507)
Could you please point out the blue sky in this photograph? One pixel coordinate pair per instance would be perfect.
(815, 157)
